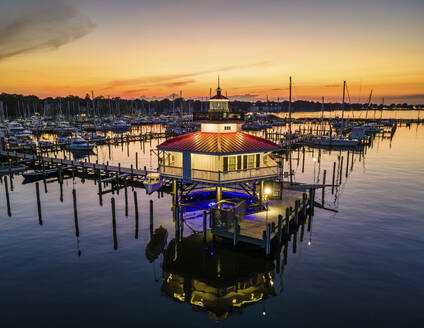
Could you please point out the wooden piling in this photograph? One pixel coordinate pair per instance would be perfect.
(151, 213)
(347, 163)
(324, 176)
(334, 172)
(136, 214)
(341, 171)
(6, 189)
(74, 196)
(268, 240)
(136, 160)
(115, 239)
(37, 192)
(126, 197)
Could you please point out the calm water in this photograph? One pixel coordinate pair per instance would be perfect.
(361, 266)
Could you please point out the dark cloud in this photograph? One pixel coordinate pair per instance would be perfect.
(44, 27)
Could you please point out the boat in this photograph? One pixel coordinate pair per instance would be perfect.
(94, 137)
(358, 133)
(14, 169)
(334, 141)
(80, 144)
(371, 128)
(119, 125)
(38, 175)
(16, 129)
(153, 182)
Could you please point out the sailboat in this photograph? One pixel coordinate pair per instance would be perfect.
(336, 141)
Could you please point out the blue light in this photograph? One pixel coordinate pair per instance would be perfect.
(211, 204)
(211, 253)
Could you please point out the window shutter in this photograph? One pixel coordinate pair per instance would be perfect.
(258, 160)
(244, 162)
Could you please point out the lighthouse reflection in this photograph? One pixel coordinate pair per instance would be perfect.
(215, 277)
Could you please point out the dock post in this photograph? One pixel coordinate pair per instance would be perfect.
(37, 191)
(151, 214)
(334, 172)
(6, 189)
(136, 214)
(235, 231)
(313, 201)
(74, 196)
(136, 160)
(115, 239)
(341, 171)
(204, 225)
(126, 197)
(347, 163)
(280, 228)
(324, 176)
(268, 240)
(351, 166)
(119, 168)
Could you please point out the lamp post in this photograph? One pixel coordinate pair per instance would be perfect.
(267, 193)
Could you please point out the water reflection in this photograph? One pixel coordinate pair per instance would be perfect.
(217, 278)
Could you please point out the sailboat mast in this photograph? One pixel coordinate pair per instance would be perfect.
(290, 130)
(343, 107)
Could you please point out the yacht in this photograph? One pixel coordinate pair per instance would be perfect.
(17, 129)
(334, 141)
(153, 182)
(120, 125)
(358, 133)
(80, 144)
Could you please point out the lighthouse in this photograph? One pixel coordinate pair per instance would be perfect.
(220, 156)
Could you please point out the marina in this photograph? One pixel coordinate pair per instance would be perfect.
(211, 164)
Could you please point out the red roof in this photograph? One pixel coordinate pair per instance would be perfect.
(219, 143)
(219, 97)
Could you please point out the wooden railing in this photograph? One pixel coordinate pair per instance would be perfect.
(230, 176)
(171, 170)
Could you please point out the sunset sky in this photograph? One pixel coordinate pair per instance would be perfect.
(158, 47)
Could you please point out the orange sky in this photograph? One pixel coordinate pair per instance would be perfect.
(158, 48)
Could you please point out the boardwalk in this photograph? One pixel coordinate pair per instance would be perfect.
(55, 162)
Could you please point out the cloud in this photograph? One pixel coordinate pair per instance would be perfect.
(179, 83)
(47, 27)
(174, 80)
(409, 97)
(331, 86)
(133, 91)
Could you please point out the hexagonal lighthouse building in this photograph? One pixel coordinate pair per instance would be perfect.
(220, 157)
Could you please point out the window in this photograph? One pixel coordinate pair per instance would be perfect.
(250, 161)
(227, 127)
(258, 160)
(239, 162)
(232, 163)
(265, 160)
(244, 162)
